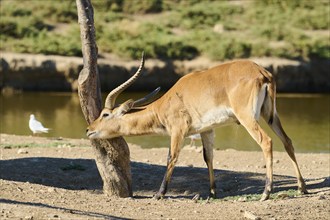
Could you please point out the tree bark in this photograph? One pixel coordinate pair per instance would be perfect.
(112, 156)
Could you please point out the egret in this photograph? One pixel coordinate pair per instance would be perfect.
(36, 126)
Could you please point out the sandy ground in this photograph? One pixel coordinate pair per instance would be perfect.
(44, 178)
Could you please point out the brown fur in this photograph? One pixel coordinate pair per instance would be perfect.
(198, 102)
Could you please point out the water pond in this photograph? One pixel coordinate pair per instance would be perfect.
(304, 117)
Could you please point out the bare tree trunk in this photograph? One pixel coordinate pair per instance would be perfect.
(112, 156)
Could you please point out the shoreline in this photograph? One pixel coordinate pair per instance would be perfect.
(38, 72)
(26, 141)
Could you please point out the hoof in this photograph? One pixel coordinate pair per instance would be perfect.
(264, 197)
(196, 197)
(212, 196)
(158, 196)
(302, 187)
(303, 191)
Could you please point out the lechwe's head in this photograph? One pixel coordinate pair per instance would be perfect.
(108, 124)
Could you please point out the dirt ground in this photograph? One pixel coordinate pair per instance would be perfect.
(43, 178)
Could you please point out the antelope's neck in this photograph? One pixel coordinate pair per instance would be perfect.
(142, 122)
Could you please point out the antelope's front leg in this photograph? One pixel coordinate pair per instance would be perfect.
(172, 158)
(208, 140)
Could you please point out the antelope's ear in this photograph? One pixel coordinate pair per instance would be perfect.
(125, 107)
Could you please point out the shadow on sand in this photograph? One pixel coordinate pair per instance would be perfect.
(77, 174)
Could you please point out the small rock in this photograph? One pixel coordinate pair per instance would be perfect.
(186, 193)
(250, 215)
(218, 28)
(28, 217)
(322, 197)
(22, 151)
(20, 189)
(242, 199)
(277, 161)
(51, 189)
(282, 195)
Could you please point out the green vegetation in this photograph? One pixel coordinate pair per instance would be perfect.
(172, 29)
(291, 193)
(33, 144)
(256, 197)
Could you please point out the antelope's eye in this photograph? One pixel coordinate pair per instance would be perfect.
(105, 115)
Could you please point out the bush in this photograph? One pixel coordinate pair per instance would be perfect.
(207, 14)
(8, 28)
(156, 41)
(313, 20)
(186, 29)
(142, 6)
(320, 49)
(229, 49)
(25, 28)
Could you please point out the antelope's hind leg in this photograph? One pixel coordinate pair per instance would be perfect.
(265, 142)
(279, 131)
(208, 141)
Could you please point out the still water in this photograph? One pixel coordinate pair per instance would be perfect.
(304, 117)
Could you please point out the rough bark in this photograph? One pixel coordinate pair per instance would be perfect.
(112, 156)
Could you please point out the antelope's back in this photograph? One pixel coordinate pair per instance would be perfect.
(216, 82)
(201, 91)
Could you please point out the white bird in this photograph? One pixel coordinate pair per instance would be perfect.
(36, 126)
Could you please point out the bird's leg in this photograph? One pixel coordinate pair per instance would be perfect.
(192, 142)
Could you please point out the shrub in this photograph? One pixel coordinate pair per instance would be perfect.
(8, 28)
(229, 49)
(320, 49)
(184, 31)
(142, 6)
(313, 19)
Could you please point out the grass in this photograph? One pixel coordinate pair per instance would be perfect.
(172, 29)
(33, 144)
(291, 193)
(256, 197)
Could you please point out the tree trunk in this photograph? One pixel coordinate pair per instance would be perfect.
(112, 156)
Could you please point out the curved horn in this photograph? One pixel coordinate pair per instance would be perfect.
(145, 100)
(111, 98)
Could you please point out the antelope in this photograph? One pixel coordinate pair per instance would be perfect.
(234, 92)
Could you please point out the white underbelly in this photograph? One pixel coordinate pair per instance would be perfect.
(213, 118)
